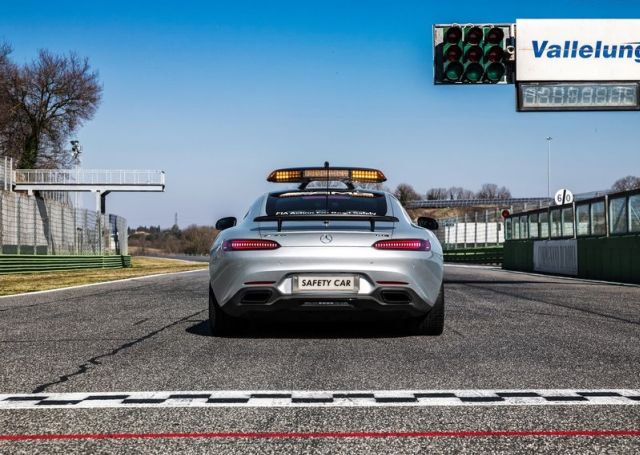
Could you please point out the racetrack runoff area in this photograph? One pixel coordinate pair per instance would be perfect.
(505, 333)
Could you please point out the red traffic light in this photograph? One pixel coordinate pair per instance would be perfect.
(473, 35)
(495, 35)
(453, 35)
(506, 213)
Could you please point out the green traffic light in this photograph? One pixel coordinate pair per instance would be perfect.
(473, 71)
(453, 71)
(494, 71)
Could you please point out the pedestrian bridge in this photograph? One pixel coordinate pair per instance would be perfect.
(95, 180)
(98, 181)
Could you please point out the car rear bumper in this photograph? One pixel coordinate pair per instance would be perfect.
(261, 281)
(383, 299)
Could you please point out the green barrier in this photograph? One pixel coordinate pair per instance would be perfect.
(610, 258)
(14, 263)
(518, 255)
(488, 255)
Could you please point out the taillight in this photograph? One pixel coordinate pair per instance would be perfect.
(403, 244)
(249, 244)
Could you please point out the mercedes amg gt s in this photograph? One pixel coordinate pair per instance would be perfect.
(327, 244)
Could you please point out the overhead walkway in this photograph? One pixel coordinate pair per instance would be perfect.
(98, 181)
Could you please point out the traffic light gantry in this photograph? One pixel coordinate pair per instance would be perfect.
(473, 54)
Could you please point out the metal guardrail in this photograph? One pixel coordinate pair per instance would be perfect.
(88, 177)
(492, 255)
(10, 263)
(444, 203)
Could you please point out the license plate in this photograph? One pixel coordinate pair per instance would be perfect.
(325, 283)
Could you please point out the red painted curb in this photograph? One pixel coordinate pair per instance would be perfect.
(337, 434)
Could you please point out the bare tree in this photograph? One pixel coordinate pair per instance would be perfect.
(503, 193)
(6, 70)
(379, 186)
(457, 193)
(626, 183)
(49, 99)
(405, 193)
(437, 194)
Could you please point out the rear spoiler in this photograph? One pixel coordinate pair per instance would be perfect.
(335, 217)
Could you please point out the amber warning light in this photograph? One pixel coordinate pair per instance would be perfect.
(344, 174)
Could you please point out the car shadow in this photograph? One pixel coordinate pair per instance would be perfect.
(322, 328)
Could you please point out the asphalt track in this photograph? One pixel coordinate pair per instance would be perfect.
(504, 332)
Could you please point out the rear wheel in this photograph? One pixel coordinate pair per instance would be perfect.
(433, 323)
(220, 323)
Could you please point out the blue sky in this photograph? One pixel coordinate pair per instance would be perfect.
(217, 94)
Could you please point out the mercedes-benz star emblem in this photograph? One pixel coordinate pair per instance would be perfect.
(326, 238)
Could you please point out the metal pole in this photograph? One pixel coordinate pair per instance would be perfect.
(465, 231)
(486, 228)
(549, 139)
(475, 229)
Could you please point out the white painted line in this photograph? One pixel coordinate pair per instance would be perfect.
(144, 277)
(322, 398)
(473, 266)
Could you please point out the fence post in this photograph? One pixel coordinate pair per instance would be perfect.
(62, 239)
(2, 221)
(74, 213)
(35, 227)
(465, 231)
(99, 231)
(475, 229)
(18, 224)
(486, 228)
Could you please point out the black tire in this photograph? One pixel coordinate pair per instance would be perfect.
(220, 323)
(433, 323)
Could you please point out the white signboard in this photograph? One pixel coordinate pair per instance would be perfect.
(563, 196)
(578, 49)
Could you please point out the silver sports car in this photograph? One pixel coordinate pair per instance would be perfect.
(327, 245)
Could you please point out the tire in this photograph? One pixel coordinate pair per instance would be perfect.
(220, 323)
(433, 323)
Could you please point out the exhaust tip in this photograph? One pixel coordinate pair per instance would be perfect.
(256, 296)
(396, 297)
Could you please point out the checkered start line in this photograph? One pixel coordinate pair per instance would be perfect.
(375, 398)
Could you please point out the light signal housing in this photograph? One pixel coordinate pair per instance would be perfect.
(312, 174)
(473, 54)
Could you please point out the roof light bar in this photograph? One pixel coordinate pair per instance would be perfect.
(309, 174)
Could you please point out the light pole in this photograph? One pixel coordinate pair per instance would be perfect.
(76, 150)
(549, 139)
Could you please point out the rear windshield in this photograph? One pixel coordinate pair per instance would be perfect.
(322, 202)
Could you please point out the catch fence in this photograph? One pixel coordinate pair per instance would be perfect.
(42, 226)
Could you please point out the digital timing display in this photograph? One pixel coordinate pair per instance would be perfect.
(578, 96)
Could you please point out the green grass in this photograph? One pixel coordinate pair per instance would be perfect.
(16, 283)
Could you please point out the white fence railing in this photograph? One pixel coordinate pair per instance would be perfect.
(89, 177)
